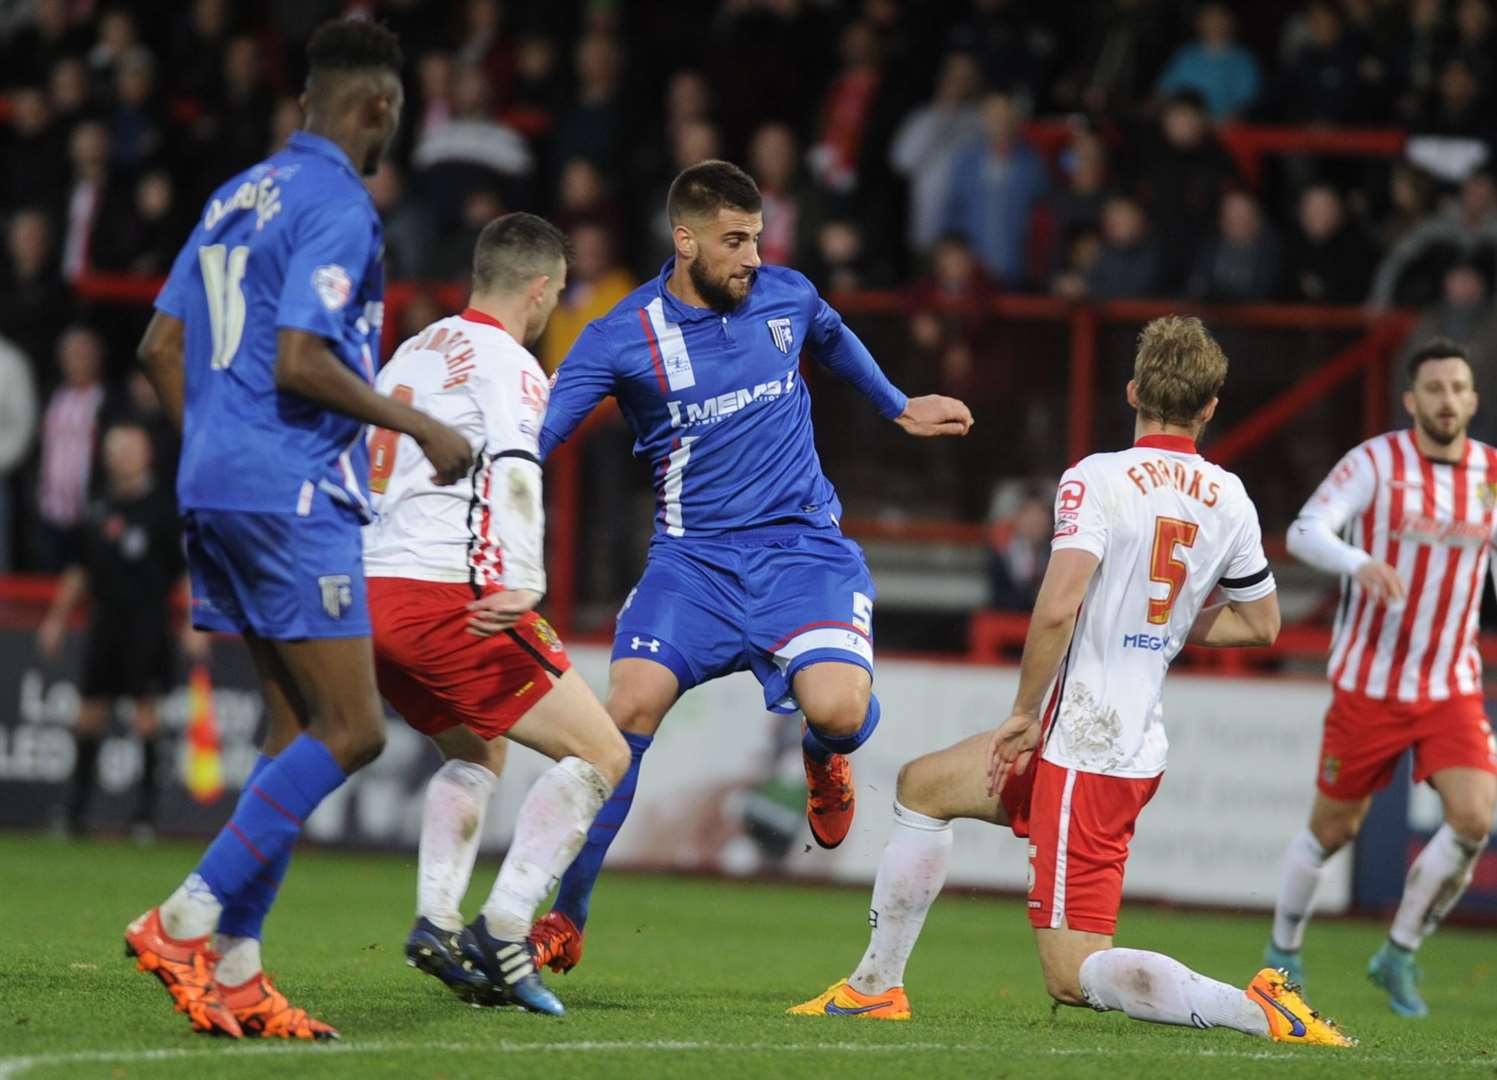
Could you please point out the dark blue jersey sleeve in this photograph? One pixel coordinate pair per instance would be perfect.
(839, 349)
(583, 380)
(332, 246)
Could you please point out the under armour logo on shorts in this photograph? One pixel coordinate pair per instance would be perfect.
(653, 645)
(337, 594)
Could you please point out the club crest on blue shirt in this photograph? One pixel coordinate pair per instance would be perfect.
(784, 337)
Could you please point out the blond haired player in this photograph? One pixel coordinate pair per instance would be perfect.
(454, 577)
(1143, 537)
(1421, 509)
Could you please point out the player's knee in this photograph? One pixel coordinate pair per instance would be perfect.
(353, 747)
(1334, 832)
(839, 714)
(610, 756)
(913, 788)
(1471, 821)
(1064, 986)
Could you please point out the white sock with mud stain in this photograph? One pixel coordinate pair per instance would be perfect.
(451, 823)
(910, 875)
(1151, 986)
(1435, 882)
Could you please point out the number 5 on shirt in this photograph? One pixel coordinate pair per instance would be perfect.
(1165, 567)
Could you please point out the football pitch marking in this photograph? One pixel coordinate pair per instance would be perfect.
(12, 1067)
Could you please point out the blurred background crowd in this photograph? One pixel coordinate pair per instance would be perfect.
(943, 152)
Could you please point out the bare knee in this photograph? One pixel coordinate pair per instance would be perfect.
(1064, 986)
(914, 788)
(609, 754)
(637, 714)
(353, 742)
(1471, 822)
(838, 712)
(1333, 831)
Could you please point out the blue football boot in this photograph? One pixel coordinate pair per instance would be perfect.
(1285, 961)
(439, 953)
(1394, 970)
(510, 967)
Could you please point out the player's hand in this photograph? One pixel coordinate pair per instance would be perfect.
(1013, 745)
(1382, 582)
(934, 415)
(499, 611)
(449, 453)
(49, 637)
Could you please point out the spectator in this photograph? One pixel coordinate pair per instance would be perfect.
(1411, 198)
(951, 308)
(1476, 40)
(36, 49)
(68, 433)
(419, 311)
(790, 210)
(147, 238)
(1243, 262)
(138, 127)
(236, 128)
(539, 88)
(68, 91)
(583, 196)
(1128, 262)
(847, 111)
(995, 184)
(35, 163)
(1329, 259)
(198, 50)
(1124, 46)
(1018, 552)
(472, 152)
(454, 258)
(595, 284)
(117, 39)
(1214, 66)
(595, 125)
(1321, 80)
(1458, 106)
(485, 46)
(1465, 228)
(1180, 178)
(434, 106)
(1075, 207)
(1415, 46)
(1014, 47)
(93, 197)
(842, 261)
(17, 429)
(34, 301)
(1465, 312)
(408, 224)
(928, 140)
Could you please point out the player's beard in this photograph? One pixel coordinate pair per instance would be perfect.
(1438, 431)
(716, 293)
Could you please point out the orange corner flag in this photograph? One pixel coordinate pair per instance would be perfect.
(204, 765)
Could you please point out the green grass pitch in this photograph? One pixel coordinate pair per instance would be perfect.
(682, 977)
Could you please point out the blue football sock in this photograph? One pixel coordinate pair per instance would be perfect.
(245, 914)
(817, 747)
(269, 817)
(577, 883)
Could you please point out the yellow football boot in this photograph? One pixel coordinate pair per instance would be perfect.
(842, 1000)
(1290, 1018)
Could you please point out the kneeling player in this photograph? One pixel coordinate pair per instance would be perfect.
(1164, 528)
(454, 574)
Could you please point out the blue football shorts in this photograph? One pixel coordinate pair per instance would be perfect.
(773, 604)
(280, 576)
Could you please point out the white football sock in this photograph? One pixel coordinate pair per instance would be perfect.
(1304, 866)
(451, 824)
(910, 875)
(549, 831)
(1151, 986)
(192, 911)
(238, 959)
(1436, 881)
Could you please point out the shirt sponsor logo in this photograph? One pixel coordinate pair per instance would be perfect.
(678, 373)
(1147, 642)
(332, 285)
(685, 414)
(1427, 530)
(781, 332)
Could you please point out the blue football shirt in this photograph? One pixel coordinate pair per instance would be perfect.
(716, 401)
(295, 243)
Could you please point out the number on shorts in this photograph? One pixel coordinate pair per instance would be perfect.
(382, 447)
(1165, 567)
(862, 613)
(223, 281)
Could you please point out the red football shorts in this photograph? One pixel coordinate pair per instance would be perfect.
(1365, 737)
(437, 675)
(1079, 825)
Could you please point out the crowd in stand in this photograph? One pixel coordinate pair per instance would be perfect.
(892, 140)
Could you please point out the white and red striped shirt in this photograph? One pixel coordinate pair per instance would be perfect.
(1434, 523)
(68, 434)
(486, 529)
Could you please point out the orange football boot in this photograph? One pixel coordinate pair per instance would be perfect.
(1290, 1018)
(263, 1012)
(829, 799)
(185, 968)
(555, 942)
(840, 999)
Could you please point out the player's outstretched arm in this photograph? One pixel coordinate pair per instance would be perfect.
(1066, 580)
(304, 366)
(1237, 624)
(935, 415)
(160, 353)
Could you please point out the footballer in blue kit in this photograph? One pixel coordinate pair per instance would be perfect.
(262, 349)
(748, 568)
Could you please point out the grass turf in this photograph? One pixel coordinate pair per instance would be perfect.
(682, 977)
